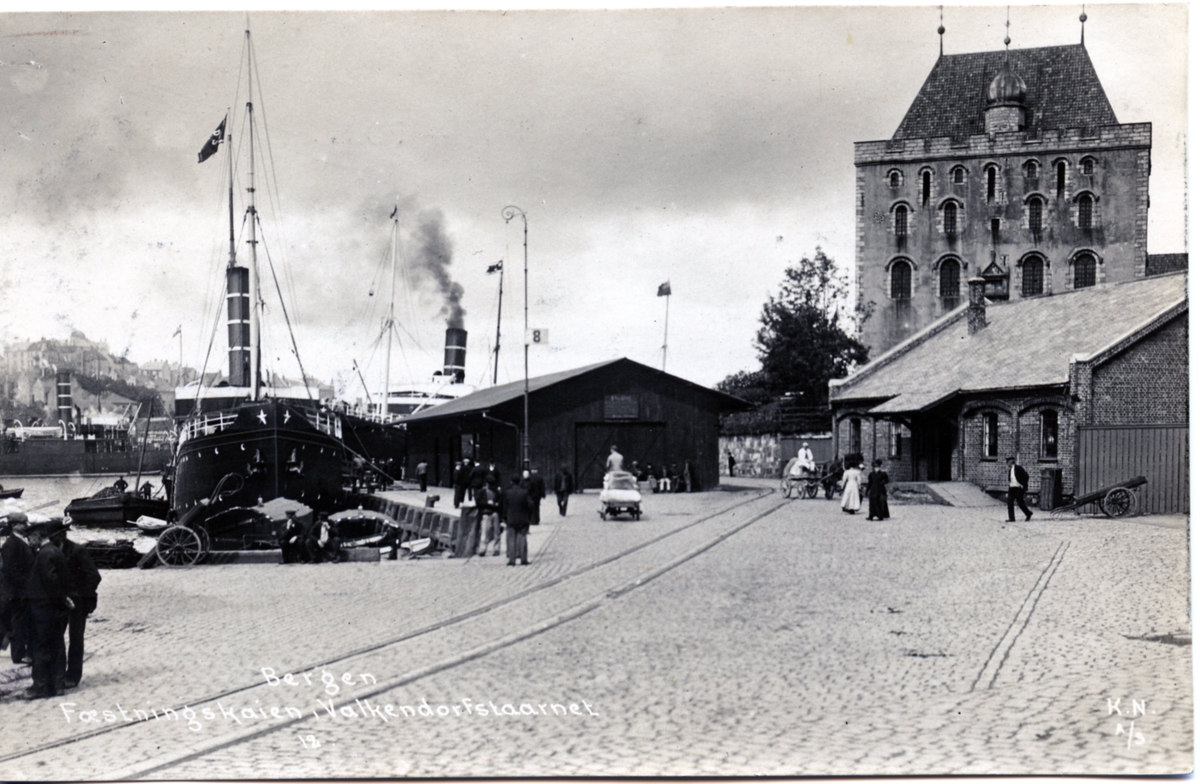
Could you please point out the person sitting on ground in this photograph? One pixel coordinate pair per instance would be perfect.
(292, 539)
(323, 542)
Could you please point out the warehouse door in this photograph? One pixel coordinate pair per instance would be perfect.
(641, 441)
(1112, 454)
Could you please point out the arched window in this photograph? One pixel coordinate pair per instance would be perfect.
(1085, 211)
(926, 186)
(1032, 277)
(1060, 180)
(855, 436)
(948, 278)
(991, 434)
(901, 280)
(901, 222)
(958, 175)
(1087, 166)
(991, 184)
(1050, 435)
(1035, 215)
(950, 218)
(1085, 270)
(1031, 170)
(895, 179)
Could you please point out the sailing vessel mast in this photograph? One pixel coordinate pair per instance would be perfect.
(387, 362)
(255, 289)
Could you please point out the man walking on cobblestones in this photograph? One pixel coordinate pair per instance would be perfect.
(1018, 484)
(16, 561)
(564, 485)
(515, 511)
(83, 578)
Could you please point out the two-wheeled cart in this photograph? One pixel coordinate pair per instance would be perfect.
(1116, 500)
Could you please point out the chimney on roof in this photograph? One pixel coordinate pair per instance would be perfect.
(976, 310)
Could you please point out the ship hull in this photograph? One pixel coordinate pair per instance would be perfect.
(115, 511)
(56, 458)
(275, 449)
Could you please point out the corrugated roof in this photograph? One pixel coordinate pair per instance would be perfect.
(1063, 91)
(489, 398)
(1026, 343)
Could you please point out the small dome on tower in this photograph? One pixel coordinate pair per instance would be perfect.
(1006, 88)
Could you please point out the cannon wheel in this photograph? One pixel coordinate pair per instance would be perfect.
(1119, 502)
(179, 546)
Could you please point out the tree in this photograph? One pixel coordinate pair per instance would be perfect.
(801, 343)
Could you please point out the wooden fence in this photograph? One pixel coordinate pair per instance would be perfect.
(1112, 454)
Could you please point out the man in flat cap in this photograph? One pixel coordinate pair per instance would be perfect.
(83, 579)
(16, 560)
(49, 606)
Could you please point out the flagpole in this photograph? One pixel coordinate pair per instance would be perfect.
(508, 213)
(666, 322)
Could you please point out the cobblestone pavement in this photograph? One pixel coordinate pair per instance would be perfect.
(723, 634)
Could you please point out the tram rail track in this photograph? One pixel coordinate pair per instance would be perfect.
(150, 766)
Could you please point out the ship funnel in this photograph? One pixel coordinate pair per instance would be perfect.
(66, 409)
(237, 292)
(456, 354)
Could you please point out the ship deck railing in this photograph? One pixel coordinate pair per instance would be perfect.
(207, 425)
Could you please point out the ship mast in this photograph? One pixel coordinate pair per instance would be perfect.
(255, 289)
(387, 362)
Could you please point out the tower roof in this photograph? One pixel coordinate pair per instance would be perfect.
(1062, 91)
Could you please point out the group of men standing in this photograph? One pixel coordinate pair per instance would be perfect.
(47, 590)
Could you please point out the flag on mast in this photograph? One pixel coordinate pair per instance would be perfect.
(664, 290)
(178, 330)
(499, 265)
(210, 147)
(394, 211)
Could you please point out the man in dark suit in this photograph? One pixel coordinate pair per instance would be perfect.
(83, 579)
(1018, 484)
(48, 590)
(462, 477)
(564, 485)
(516, 510)
(537, 491)
(16, 561)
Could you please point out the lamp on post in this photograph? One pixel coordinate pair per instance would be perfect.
(508, 213)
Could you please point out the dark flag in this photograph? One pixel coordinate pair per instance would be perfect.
(394, 211)
(214, 141)
(499, 265)
(664, 290)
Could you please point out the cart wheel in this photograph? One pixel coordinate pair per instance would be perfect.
(205, 542)
(810, 490)
(783, 487)
(179, 546)
(1118, 502)
(603, 514)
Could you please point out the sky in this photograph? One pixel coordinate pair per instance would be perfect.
(708, 147)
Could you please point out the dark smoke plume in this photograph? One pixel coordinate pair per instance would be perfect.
(434, 253)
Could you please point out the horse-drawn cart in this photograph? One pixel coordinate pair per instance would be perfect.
(1116, 500)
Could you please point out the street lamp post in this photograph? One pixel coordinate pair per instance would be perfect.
(508, 213)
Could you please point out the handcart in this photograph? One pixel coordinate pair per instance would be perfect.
(620, 496)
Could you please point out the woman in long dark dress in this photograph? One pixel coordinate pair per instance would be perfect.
(877, 505)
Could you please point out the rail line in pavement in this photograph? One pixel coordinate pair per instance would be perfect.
(457, 620)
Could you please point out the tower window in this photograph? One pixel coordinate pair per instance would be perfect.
(948, 278)
(1085, 271)
(1031, 170)
(895, 180)
(926, 186)
(901, 223)
(1032, 277)
(991, 184)
(1088, 166)
(1061, 179)
(901, 280)
(950, 218)
(958, 175)
(1035, 215)
(1085, 211)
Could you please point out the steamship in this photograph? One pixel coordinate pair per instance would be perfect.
(277, 442)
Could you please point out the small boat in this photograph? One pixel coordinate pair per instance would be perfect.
(113, 508)
(13, 493)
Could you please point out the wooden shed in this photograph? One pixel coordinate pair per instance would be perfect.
(575, 416)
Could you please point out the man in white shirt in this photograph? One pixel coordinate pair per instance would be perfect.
(1018, 484)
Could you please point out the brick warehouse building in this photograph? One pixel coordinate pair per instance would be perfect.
(1009, 165)
(574, 417)
(1091, 382)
